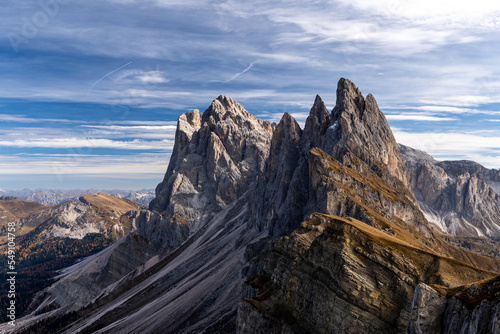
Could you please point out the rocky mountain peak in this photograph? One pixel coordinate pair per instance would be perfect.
(192, 118)
(349, 98)
(364, 131)
(319, 110)
(225, 107)
(287, 128)
(214, 160)
(317, 123)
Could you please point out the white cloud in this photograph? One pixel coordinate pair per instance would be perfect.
(456, 110)
(482, 13)
(152, 77)
(132, 131)
(141, 76)
(25, 119)
(471, 146)
(90, 143)
(424, 118)
(61, 164)
(153, 123)
(153, 93)
(281, 57)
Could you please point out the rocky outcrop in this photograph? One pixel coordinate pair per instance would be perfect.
(216, 158)
(358, 126)
(473, 308)
(460, 197)
(339, 275)
(163, 233)
(355, 128)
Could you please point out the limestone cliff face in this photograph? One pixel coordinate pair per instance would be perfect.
(460, 197)
(355, 128)
(216, 157)
(473, 308)
(360, 127)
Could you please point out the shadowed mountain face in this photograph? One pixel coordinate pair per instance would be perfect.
(269, 228)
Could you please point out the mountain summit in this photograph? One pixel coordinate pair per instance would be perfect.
(260, 227)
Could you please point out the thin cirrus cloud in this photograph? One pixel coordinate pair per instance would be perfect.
(132, 131)
(424, 118)
(64, 143)
(140, 76)
(83, 164)
(25, 119)
(446, 145)
(448, 109)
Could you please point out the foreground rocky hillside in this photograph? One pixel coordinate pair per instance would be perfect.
(268, 228)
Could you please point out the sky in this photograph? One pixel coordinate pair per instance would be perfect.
(90, 91)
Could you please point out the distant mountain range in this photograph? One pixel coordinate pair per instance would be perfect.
(49, 238)
(57, 196)
(260, 227)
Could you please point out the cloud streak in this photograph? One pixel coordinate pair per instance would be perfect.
(105, 76)
(64, 143)
(248, 68)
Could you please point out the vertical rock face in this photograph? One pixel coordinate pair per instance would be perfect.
(473, 308)
(425, 310)
(317, 123)
(216, 158)
(460, 197)
(281, 185)
(356, 127)
(361, 128)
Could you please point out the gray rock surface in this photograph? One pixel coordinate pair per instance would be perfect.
(216, 158)
(426, 310)
(336, 275)
(469, 309)
(460, 197)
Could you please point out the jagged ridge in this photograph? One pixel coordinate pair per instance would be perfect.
(237, 187)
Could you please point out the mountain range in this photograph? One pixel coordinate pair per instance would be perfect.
(52, 196)
(260, 227)
(50, 238)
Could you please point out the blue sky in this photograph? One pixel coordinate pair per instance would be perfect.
(90, 91)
